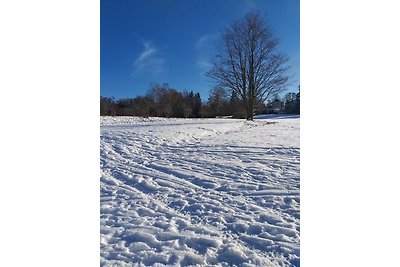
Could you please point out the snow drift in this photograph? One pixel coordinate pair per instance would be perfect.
(181, 192)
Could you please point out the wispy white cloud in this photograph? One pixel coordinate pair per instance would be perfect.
(148, 51)
(149, 60)
(203, 64)
(204, 47)
(202, 41)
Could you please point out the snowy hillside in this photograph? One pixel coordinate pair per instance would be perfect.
(180, 192)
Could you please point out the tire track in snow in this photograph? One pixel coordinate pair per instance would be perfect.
(245, 202)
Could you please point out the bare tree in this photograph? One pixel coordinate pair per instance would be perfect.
(248, 63)
(218, 102)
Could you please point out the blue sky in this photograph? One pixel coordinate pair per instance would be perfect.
(173, 41)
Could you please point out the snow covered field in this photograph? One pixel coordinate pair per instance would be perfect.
(181, 192)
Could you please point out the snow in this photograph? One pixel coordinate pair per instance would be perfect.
(206, 192)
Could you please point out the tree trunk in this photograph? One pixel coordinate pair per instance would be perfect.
(251, 110)
(251, 101)
(248, 112)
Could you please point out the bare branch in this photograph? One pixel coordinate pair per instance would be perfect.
(248, 63)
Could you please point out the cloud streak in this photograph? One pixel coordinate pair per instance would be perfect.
(149, 60)
(203, 40)
(204, 47)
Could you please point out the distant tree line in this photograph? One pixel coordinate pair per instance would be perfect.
(289, 104)
(160, 101)
(164, 101)
(292, 103)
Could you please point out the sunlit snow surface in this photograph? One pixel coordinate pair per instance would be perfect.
(205, 192)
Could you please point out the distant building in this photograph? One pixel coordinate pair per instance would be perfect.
(275, 107)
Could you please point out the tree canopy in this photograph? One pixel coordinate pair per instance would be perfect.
(248, 62)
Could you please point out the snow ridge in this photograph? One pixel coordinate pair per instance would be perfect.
(205, 192)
